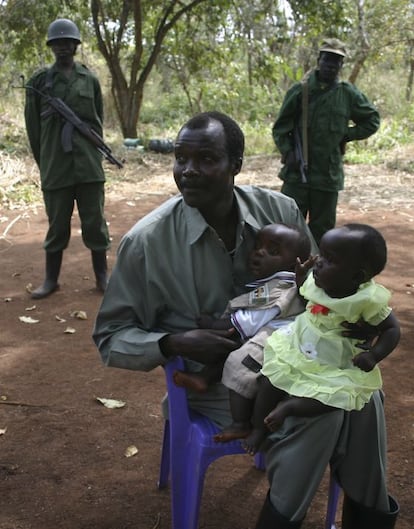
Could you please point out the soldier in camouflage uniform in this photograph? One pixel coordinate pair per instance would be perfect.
(70, 166)
(331, 106)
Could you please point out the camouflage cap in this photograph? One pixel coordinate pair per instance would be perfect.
(333, 46)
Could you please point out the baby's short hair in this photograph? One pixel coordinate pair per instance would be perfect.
(372, 248)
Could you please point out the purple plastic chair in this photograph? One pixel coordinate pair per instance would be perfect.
(189, 448)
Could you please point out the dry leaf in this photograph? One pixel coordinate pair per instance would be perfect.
(28, 319)
(29, 288)
(30, 308)
(111, 403)
(3, 431)
(7, 300)
(69, 330)
(131, 451)
(79, 314)
(3, 397)
(59, 319)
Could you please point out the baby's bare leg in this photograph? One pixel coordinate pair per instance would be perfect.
(267, 399)
(295, 406)
(241, 410)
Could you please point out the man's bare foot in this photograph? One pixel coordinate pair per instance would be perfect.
(253, 441)
(190, 381)
(233, 432)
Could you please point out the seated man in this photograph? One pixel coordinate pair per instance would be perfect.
(150, 309)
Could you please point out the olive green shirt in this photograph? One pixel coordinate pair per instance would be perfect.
(171, 267)
(82, 93)
(335, 113)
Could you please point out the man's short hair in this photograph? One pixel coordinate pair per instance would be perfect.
(234, 134)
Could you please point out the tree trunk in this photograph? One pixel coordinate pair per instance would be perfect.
(114, 44)
(409, 88)
(364, 45)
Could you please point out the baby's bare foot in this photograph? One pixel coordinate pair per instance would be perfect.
(232, 432)
(190, 381)
(252, 442)
(275, 419)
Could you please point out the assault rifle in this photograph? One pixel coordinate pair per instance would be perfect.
(58, 106)
(299, 154)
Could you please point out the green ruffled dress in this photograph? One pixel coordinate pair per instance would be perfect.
(310, 358)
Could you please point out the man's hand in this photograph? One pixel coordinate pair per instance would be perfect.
(205, 321)
(202, 345)
(289, 159)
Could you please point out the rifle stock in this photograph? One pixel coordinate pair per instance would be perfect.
(58, 106)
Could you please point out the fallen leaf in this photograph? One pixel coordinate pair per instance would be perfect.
(59, 319)
(7, 300)
(30, 308)
(3, 397)
(29, 288)
(3, 431)
(79, 314)
(111, 403)
(131, 451)
(69, 330)
(28, 319)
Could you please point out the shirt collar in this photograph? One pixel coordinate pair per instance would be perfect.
(283, 275)
(197, 225)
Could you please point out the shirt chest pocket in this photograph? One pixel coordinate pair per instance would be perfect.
(83, 99)
(338, 122)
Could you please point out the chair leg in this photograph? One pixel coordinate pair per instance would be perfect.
(259, 461)
(165, 458)
(187, 481)
(333, 498)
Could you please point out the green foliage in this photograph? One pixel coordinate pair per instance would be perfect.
(239, 57)
(27, 21)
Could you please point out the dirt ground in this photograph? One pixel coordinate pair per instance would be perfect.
(62, 453)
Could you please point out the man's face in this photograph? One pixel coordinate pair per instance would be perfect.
(203, 171)
(329, 65)
(63, 48)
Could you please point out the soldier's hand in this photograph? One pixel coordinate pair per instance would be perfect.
(289, 159)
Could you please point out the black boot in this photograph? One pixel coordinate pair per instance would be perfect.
(357, 516)
(100, 267)
(50, 284)
(270, 518)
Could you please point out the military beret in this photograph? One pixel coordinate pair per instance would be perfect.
(333, 46)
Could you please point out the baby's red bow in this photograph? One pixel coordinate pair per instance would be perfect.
(319, 309)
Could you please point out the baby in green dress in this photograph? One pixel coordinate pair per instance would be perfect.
(309, 366)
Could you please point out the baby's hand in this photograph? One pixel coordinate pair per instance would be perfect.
(302, 269)
(365, 361)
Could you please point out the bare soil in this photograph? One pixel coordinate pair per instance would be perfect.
(62, 453)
